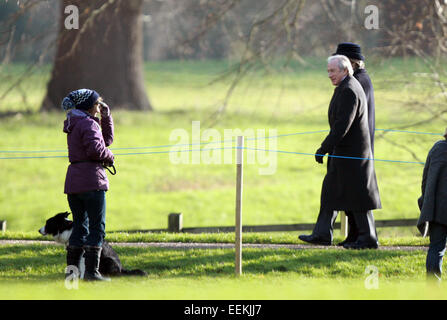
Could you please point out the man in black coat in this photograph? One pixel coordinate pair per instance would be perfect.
(354, 53)
(433, 206)
(350, 183)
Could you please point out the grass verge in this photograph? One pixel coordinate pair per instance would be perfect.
(36, 272)
(255, 237)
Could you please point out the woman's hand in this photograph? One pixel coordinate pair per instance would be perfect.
(104, 108)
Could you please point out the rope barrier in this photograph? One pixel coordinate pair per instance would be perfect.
(210, 149)
(413, 132)
(168, 145)
(201, 143)
(332, 156)
(225, 148)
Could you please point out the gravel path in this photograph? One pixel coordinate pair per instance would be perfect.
(196, 245)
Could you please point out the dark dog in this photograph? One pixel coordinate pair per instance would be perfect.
(60, 228)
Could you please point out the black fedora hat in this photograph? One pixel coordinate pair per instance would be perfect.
(350, 50)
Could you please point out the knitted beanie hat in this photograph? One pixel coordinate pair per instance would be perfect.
(82, 99)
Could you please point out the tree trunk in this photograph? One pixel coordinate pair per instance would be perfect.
(104, 54)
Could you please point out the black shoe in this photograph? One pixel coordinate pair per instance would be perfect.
(367, 234)
(360, 245)
(346, 241)
(92, 257)
(341, 244)
(314, 240)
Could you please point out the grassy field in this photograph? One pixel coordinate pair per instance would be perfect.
(248, 237)
(36, 271)
(149, 186)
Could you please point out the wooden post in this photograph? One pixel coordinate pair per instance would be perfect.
(239, 180)
(175, 222)
(3, 225)
(343, 224)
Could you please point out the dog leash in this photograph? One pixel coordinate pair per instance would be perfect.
(111, 166)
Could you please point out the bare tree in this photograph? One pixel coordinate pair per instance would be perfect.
(413, 29)
(269, 31)
(420, 30)
(104, 54)
(14, 44)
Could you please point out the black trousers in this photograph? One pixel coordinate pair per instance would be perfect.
(361, 225)
(436, 249)
(89, 218)
(324, 227)
(352, 228)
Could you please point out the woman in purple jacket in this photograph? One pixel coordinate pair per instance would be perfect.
(86, 182)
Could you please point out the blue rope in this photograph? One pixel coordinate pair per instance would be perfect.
(414, 132)
(332, 156)
(207, 143)
(34, 157)
(209, 149)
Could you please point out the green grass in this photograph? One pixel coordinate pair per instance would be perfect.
(36, 271)
(149, 187)
(273, 287)
(264, 238)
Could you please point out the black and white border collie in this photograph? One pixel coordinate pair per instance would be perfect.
(60, 227)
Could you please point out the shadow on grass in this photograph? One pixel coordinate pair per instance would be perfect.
(39, 263)
(327, 263)
(11, 113)
(31, 262)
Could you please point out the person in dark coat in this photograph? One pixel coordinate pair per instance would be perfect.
(86, 182)
(433, 206)
(354, 53)
(350, 183)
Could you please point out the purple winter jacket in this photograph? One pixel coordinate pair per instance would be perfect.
(87, 140)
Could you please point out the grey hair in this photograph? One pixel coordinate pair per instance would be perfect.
(343, 63)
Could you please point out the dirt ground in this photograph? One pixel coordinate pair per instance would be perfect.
(191, 245)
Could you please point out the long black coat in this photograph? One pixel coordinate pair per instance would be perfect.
(433, 202)
(362, 76)
(350, 184)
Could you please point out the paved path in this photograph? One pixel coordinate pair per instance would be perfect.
(197, 245)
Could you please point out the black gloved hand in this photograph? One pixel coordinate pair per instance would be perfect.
(319, 154)
(108, 164)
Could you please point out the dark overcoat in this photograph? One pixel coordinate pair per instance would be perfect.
(350, 184)
(433, 202)
(362, 76)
